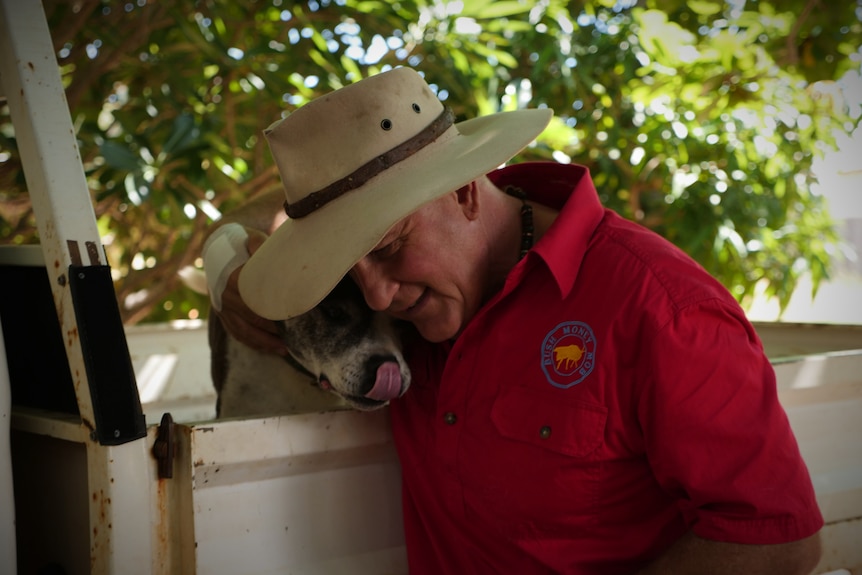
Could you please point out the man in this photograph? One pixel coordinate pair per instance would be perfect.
(585, 398)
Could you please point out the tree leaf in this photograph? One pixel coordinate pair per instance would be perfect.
(491, 10)
(119, 156)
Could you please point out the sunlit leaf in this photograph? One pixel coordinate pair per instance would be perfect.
(499, 9)
(705, 7)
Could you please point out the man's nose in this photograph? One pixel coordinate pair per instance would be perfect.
(378, 289)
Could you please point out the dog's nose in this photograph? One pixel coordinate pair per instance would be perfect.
(384, 378)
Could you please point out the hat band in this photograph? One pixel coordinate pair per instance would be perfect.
(361, 175)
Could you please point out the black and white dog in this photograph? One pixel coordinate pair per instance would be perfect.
(342, 355)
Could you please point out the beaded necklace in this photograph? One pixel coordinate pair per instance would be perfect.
(526, 219)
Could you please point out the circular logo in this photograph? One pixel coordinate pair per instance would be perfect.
(568, 354)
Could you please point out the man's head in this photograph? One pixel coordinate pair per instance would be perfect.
(430, 267)
(354, 163)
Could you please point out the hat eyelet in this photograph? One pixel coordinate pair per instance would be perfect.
(416, 108)
(386, 124)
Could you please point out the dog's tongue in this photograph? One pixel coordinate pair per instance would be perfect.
(388, 384)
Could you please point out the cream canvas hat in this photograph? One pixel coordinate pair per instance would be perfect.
(353, 163)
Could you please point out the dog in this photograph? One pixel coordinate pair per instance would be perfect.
(342, 355)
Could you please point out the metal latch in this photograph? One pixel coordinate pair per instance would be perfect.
(163, 448)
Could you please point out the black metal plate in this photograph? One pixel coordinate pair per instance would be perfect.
(114, 391)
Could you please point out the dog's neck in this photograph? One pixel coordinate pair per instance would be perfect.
(298, 366)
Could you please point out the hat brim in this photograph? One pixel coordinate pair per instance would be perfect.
(300, 263)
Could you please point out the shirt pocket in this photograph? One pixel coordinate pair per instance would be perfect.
(540, 474)
(548, 420)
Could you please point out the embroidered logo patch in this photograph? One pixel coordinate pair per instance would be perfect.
(568, 354)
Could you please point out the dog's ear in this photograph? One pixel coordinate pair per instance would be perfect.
(217, 335)
(255, 239)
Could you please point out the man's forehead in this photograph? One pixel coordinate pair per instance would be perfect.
(404, 225)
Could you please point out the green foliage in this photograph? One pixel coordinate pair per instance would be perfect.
(698, 118)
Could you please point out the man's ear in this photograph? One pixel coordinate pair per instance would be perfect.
(468, 199)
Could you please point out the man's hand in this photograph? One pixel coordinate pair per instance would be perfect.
(240, 321)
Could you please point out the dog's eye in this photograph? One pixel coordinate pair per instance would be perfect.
(334, 313)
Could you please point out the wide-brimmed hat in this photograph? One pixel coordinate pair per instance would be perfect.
(356, 161)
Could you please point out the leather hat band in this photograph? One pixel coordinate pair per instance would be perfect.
(360, 176)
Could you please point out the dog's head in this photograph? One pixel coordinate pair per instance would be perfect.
(351, 350)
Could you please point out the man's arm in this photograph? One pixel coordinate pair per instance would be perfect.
(718, 440)
(260, 217)
(697, 556)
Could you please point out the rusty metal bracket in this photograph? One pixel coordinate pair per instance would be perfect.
(163, 448)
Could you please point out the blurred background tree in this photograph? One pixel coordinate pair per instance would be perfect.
(697, 118)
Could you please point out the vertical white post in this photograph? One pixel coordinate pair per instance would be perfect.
(120, 530)
(7, 497)
(52, 164)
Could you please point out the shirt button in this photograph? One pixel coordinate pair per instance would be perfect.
(545, 432)
(450, 418)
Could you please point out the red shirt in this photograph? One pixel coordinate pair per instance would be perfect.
(609, 399)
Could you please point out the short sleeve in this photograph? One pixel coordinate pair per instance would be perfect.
(715, 434)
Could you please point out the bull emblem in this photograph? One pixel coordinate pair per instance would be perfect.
(567, 356)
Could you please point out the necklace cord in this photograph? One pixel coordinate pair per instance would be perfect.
(527, 228)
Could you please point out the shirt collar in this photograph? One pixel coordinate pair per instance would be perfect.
(569, 189)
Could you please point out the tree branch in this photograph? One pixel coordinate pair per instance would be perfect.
(791, 42)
